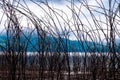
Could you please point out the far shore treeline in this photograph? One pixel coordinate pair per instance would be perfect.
(53, 44)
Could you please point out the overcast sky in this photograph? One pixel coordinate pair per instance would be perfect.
(64, 5)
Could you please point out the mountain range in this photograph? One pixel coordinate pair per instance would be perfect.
(50, 44)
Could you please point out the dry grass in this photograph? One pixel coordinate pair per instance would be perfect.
(56, 66)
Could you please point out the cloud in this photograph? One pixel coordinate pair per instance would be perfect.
(57, 1)
(63, 8)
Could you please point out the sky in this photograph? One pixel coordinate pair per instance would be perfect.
(63, 7)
